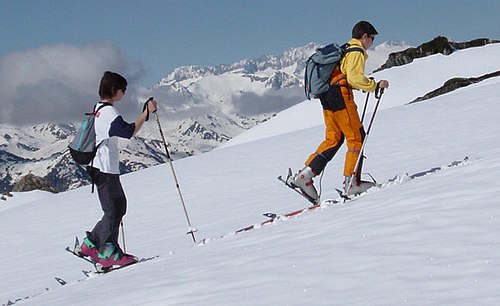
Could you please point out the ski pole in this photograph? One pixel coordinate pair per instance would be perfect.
(366, 104)
(378, 96)
(364, 107)
(360, 166)
(191, 229)
(123, 238)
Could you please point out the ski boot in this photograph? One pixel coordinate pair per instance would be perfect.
(112, 257)
(303, 181)
(356, 187)
(89, 249)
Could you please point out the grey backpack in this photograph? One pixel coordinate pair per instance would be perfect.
(84, 147)
(319, 68)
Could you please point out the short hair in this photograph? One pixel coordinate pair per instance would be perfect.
(111, 82)
(363, 27)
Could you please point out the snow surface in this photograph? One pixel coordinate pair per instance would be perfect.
(429, 241)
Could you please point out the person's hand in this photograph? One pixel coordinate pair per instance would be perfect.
(149, 107)
(383, 84)
(152, 106)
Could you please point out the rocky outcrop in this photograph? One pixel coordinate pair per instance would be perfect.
(439, 44)
(31, 182)
(455, 83)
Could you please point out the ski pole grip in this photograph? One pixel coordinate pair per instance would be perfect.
(379, 92)
(145, 107)
(151, 99)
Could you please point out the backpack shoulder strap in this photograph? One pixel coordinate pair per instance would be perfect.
(347, 49)
(101, 106)
(355, 49)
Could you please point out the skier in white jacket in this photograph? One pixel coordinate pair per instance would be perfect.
(101, 244)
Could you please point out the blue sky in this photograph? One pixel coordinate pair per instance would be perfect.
(54, 52)
(157, 36)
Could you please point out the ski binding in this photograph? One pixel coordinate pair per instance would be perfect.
(288, 182)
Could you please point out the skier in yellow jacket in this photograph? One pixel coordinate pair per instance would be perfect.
(341, 116)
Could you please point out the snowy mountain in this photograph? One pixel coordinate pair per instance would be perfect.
(199, 108)
(432, 240)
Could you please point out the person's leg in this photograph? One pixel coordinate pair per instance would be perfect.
(113, 204)
(334, 139)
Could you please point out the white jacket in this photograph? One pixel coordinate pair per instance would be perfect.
(109, 126)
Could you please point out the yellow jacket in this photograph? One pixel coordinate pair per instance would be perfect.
(353, 66)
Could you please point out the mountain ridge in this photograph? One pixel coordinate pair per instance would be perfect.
(203, 107)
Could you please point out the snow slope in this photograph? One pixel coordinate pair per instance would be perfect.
(433, 240)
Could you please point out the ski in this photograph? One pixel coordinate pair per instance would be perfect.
(288, 183)
(436, 169)
(274, 217)
(99, 269)
(398, 179)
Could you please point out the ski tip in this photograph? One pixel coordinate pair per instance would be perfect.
(269, 215)
(61, 281)
(87, 273)
(329, 202)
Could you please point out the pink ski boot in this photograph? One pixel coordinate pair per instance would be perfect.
(112, 257)
(89, 249)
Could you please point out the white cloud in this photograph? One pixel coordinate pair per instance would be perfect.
(58, 83)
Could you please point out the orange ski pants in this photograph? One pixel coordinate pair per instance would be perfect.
(340, 124)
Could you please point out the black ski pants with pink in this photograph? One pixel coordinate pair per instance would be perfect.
(114, 207)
